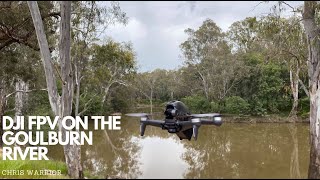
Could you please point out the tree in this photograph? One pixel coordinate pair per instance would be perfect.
(287, 44)
(19, 64)
(186, 82)
(280, 41)
(312, 32)
(112, 63)
(208, 52)
(144, 83)
(243, 35)
(87, 21)
(197, 47)
(18, 60)
(60, 105)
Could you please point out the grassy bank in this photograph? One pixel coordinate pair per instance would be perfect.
(24, 165)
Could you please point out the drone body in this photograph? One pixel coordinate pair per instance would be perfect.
(179, 120)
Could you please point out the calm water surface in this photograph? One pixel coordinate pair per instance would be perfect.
(230, 151)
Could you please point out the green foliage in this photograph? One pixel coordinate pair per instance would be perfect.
(38, 104)
(265, 85)
(90, 104)
(215, 106)
(257, 107)
(243, 33)
(110, 63)
(270, 85)
(111, 67)
(121, 99)
(304, 106)
(236, 105)
(197, 104)
(89, 16)
(16, 18)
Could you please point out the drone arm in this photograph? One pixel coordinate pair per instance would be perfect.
(156, 123)
(144, 122)
(215, 121)
(185, 123)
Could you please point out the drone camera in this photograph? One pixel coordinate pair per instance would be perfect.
(170, 112)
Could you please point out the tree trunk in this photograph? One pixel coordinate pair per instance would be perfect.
(61, 106)
(105, 96)
(76, 112)
(54, 98)
(72, 152)
(2, 109)
(78, 79)
(151, 99)
(205, 85)
(20, 97)
(314, 166)
(294, 84)
(312, 33)
(1, 128)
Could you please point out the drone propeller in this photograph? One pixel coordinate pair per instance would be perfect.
(138, 114)
(205, 115)
(143, 122)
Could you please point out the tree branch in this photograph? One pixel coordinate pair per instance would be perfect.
(113, 147)
(6, 43)
(304, 87)
(23, 39)
(55, 67)
(293, 9)
(10, 94)
(86, 106)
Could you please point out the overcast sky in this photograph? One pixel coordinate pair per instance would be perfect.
(156, 29)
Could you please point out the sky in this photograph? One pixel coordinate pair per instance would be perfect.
(156, 28)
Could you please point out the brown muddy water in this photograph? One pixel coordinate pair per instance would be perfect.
(233, 150)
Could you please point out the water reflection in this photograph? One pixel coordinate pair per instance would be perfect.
(229, 151)
(161, 158)
(249, 151)
(112, 155)
(294, 163)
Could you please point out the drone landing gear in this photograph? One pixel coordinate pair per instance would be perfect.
(186, 134)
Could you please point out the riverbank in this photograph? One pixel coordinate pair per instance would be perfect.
(262, 119)
(282, 117)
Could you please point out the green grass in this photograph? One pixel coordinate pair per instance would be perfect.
(88, 175)
(25, 165)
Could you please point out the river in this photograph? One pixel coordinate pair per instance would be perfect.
(233, 150)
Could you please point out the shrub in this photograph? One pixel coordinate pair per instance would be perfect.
(197, 104)
(236, 105)
(304, 106)
(215, 106)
